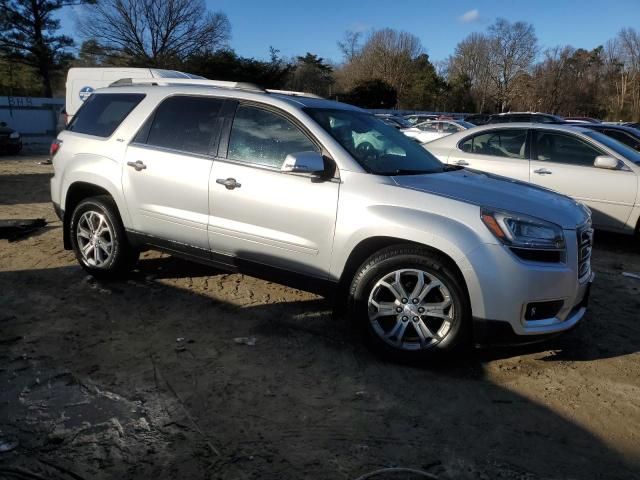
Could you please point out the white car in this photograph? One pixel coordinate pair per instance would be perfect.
(428, 131)
(584, 164)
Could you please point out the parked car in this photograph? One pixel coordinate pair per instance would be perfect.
(533, 117)
(427, 257)
(394, 120)
(478, 118)
(582, 163)
(428, 131)
(627, 135)
(581, 120)
(416, 118)
(10, 139)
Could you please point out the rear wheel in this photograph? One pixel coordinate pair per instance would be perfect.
(410, 303)
(99, 240)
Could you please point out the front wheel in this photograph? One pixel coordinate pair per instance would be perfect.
(410, 303)
(98, 239)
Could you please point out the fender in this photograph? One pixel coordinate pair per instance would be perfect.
(100, 171)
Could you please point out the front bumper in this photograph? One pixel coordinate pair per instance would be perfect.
(501, 286)
(500, 333)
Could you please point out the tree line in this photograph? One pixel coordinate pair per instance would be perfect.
(500, 69)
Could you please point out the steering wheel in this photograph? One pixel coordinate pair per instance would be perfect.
(366, 151)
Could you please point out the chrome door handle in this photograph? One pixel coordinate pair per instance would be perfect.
(229, 183)
(462, 162)
(137, 165)
(543, 171)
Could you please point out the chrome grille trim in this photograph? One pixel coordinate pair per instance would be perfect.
(585, 246)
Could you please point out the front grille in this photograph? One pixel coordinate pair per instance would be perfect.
(585, 244)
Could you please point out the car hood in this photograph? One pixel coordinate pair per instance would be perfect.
(488, 190)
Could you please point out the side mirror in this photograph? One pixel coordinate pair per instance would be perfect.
(303, 162)
(607, 162)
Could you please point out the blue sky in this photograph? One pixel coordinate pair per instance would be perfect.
(296, 27)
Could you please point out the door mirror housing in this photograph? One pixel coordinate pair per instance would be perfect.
(607, 162)
(304, 162)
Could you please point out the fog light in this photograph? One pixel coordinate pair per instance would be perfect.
(540, 310)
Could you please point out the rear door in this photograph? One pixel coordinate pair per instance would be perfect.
(564, 162)
(166, 176)
(503, 151)
(262, 214)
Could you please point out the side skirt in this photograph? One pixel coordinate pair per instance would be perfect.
(320, 286)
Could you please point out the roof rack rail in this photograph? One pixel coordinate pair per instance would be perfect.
(187, 81)
(251, 87)
(293, 93)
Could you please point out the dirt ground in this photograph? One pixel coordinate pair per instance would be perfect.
(143, 378)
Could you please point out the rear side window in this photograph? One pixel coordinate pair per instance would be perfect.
(102, 113)
(186, 124)
(498, 143)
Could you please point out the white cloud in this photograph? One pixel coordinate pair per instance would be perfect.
(470, 16)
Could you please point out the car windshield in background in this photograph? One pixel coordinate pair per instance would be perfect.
(464, 124)
(379, 148)
(618, 147)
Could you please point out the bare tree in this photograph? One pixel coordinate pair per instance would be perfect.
(513, 50)
(472, 60)
(387, 55)
(350, 45)
(156, 32)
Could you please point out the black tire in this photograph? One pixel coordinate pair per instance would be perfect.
(122, 255)
(407, 257)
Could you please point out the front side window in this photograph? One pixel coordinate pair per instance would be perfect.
(563, 148)
(498, 143)
(102, 113)
(186, 124)
(379, 148)
(265, 138)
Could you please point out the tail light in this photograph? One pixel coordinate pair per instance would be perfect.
(55, 146)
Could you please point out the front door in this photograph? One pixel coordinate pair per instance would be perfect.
(564, 162)
(166, 176)
(261, 214)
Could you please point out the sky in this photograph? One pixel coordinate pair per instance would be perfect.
(298, 26)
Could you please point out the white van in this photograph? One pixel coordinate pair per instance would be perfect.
(81, 82)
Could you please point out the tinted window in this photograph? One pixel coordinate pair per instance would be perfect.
(187, 124)
(102, 113)
(623, 137)
(562, 148)
(379, 148)
(498, 143)
(523, 118)
(616, 146)
(265, 138)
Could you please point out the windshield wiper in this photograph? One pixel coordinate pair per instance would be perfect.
(402, 171)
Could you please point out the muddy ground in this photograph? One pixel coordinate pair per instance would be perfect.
(143, 378)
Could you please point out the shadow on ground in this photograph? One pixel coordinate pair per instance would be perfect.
(156, 376)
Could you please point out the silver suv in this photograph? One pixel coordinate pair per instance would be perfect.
(428, 257)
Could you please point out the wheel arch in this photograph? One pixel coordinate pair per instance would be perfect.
(77, 192)
(367, 247)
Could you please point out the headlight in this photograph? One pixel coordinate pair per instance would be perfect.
(522, 231)
(14, 135)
